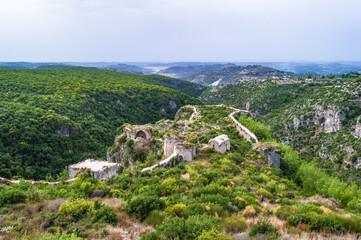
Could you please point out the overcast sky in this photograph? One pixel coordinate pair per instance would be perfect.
(180, 30)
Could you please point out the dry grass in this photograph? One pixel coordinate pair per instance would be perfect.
(279, 224)
(317, 236)
(249, 212)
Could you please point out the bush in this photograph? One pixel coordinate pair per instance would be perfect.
(315, 222)
(312, 208)
(151, 236)
(172, 228)
(354, 205)
(155, 218)
(195, 209)
(349, 223)
(195, 225)
(263, 227)
(264, 193)
(103, 213)
(11, 196)
(213, 235)
(234, 224)
(79, 208)
(177, 209)
(75, 209)
(141, 206)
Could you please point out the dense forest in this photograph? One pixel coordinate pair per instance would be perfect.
(55, 116)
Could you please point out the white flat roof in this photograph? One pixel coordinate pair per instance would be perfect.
(94, 165)
(220, 139)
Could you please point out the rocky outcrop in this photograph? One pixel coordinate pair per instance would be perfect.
(100, 170)
(296, 123)
(220, 144)
(357, 132)
(331, 119)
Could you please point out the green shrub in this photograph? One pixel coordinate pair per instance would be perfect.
(312, 208)
(103, 213)
(172, 228)
(11, 196)
(195, 209)
(177, 209)
(213, 235)
(264, 193)
(354, 205)
(263, 227)
(315, 222)
(349, 223)
(151, 236)
(195, 225)
(97, 212)
(75, 209)
(234, 224)
(155, 218)
(141, 206)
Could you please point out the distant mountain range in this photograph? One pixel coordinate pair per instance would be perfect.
(188, 70)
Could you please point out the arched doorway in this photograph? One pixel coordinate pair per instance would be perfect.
(141, 134)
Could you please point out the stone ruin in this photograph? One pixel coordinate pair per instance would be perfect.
(142, 137)
(174, 152)
(273, 157)
(220, 144)
(270, 151)
(100, 170)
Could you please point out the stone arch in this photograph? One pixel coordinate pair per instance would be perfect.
(180, 158)
(141, 134)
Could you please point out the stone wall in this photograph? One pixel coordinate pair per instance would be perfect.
(169, 143)
(273, 156)
(245, 132)
(180, 153)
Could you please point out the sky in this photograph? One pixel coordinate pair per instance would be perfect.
(180, 30)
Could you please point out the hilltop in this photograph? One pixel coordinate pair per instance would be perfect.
(238, 73)
(187, 72)
(214, 195)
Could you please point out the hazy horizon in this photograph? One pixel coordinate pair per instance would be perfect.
(180, 31)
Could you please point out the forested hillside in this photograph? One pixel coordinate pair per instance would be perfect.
(52, 117)
(234, 74)
(320, 117)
